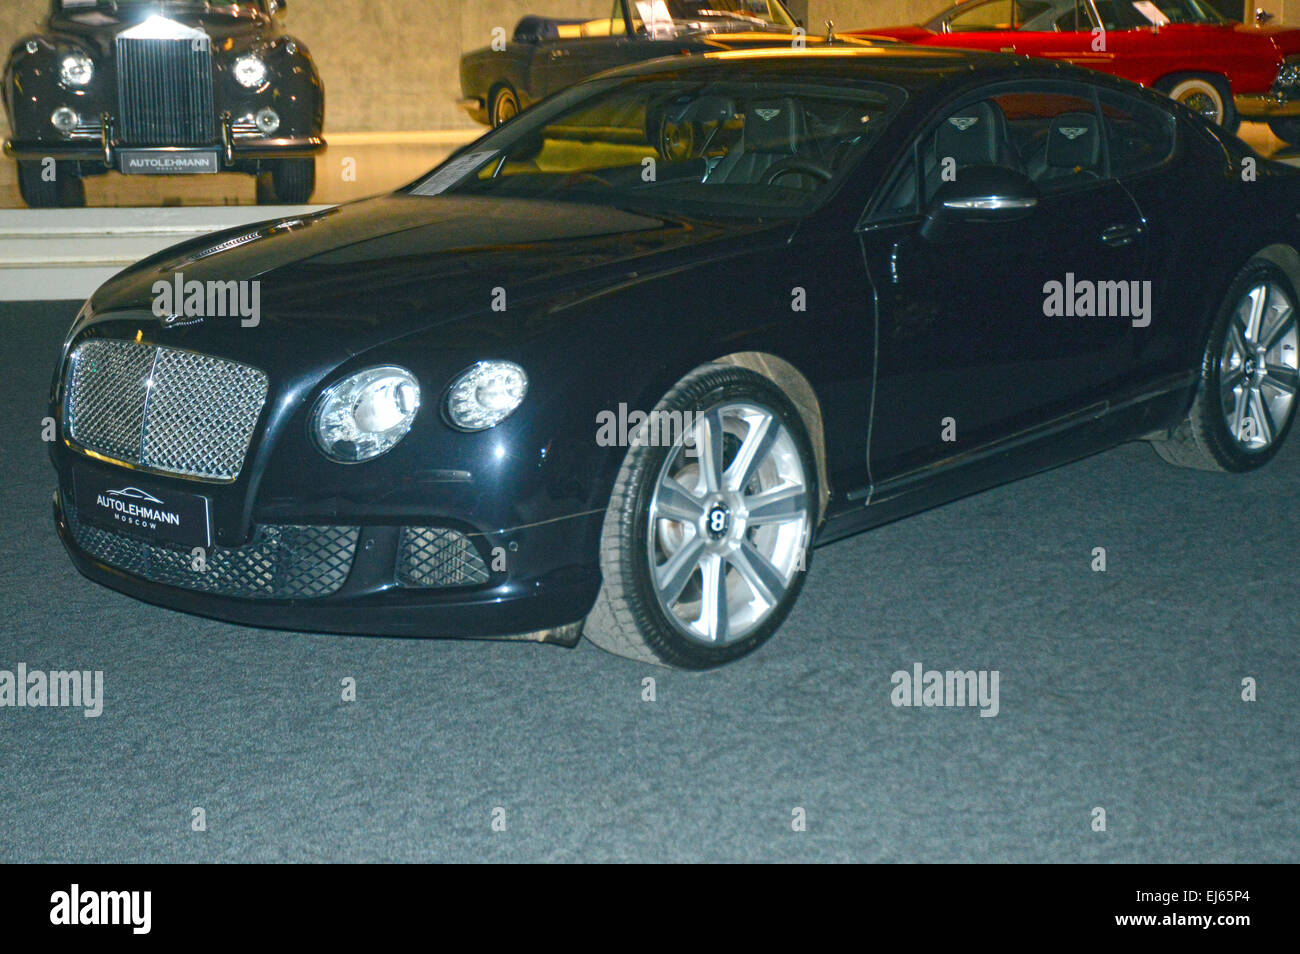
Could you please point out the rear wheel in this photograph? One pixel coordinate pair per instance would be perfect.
(50, 187)
(289, 182)
(505, 106)
(1287, 129)
(1246, 402)
(706, 540)
(1206, 94)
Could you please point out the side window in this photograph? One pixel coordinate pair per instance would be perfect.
(1054, 138)
(982, 18)
(1139, 135)
(1057, 137)
(1074, 20)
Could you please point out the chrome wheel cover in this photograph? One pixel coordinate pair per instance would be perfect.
(729, 522)
(1260, 368)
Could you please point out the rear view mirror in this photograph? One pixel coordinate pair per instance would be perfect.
(980, 194)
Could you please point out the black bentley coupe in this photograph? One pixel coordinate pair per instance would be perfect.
(163, 87)
(614, 368)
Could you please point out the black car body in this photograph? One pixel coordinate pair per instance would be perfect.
(901, 339)
(546, 55)
(159, 88)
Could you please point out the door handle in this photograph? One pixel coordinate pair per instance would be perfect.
(1122, 235)
(558, 54)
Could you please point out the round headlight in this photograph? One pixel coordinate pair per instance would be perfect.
(486, 394)
(250, 71)
(76, 69)
(64, 120)
(1289, 74)
(366, 414)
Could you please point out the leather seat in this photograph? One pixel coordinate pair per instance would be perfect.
(774, 130)
(1073, 146)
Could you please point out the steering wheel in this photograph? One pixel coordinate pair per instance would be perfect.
(788, 167)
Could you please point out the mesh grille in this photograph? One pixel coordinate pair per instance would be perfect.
(280, 563)
(165, 91)
(196, 418)
(107, 387)
(437, 557)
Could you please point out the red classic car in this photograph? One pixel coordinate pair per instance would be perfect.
(1224, 70)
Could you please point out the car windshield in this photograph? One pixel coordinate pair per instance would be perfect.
(757, 11)
(680, 142)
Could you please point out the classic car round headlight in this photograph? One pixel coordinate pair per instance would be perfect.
(250, 71)
(365, 414)
(486, 394)
(268, 121)
(64, 120)
(76, 69)
(1289, 74)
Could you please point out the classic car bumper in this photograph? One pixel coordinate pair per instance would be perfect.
(476, 107)
(1265, 105)
(536, 600)
(237, 152)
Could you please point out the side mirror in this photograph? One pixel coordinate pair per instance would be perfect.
(980, 194)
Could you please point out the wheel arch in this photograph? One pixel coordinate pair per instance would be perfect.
(799, 390)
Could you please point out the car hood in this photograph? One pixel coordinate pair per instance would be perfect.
(351, 278)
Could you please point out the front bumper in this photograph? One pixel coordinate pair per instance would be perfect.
(547, 588)
(1266, 105)
(232, 154)
(476, 106)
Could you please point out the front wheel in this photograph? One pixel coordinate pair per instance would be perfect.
(289, 182)
(1246, 401)
(708, 531)
(505, 106)
(56, 185)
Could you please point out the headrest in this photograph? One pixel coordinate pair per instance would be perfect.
(773, 127)
(1073, 141)
(973, 135)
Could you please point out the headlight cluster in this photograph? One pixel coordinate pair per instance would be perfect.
(76, 69)
(249, 71)
(486, 394)
(368, 413)
(1289, 74)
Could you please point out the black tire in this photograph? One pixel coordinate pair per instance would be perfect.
(1204, 440)
(628, 618)
(1287, 129)
(289, 182)
(1204, 88)
(66, 191)
(504, 107)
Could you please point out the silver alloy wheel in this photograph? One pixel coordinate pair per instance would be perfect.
(1260, 367)
(729, 523)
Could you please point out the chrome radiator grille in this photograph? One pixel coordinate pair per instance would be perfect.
(164, 90)
(170, 411)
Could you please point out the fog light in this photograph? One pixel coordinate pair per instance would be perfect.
(65, 120)
(268, 121)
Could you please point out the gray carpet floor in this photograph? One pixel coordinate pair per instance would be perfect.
(1119, 690)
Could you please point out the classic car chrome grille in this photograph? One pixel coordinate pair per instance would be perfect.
(164, 90)
(169, 411)
(438, 557)
(279, 563)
